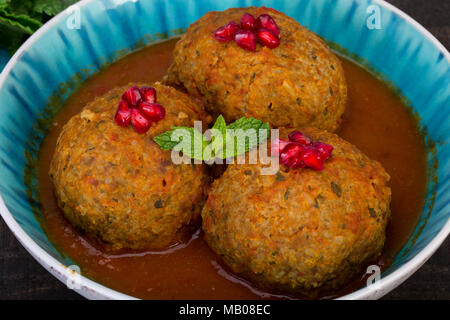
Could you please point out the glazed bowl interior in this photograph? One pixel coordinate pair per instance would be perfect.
(56, 60)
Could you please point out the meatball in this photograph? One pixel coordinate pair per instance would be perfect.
(299, 83)
(300, 230)
(118, 185)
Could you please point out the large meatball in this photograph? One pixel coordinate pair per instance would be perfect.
(300, 83)
(300, 230)
(118, 185)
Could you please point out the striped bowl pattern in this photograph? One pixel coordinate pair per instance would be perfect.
(54, 62)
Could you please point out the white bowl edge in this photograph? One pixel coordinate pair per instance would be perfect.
(93, 290)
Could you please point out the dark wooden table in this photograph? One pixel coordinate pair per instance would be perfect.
(21, 277)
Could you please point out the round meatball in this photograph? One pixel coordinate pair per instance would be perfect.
(300, 230)
(118, 185)
(299, 83)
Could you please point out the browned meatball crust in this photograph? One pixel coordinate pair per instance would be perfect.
(301, 230)
(300, 83)
(118, 185)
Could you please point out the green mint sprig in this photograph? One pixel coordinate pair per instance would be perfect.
(226, 141)
(21, 18)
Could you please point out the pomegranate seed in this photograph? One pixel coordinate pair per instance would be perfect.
(311, 157)
(278, 145)
(227, 32)
(268, 39)
(140, 123)
(153, 111)
(297, 136)
(267, 22)
(248, 21)
(246, 40)
(123, 114)
(132, 96)
(291, 151)
(301, 152)
(148, 94)
(323, 149)
(296, 163)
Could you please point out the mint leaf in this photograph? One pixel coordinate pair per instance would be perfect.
(4, 3)
(216, 147)
(220, 124)
(164, 141)
(246, 134)
(19, 22)
(184, 139)
(10, 40)
(24, 7)
(245, 123)
(236, 139)
(21, 18)
(197, 145)
(52, 7)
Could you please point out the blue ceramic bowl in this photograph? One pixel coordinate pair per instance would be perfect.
(55, 60)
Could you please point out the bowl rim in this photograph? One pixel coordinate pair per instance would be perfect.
(94, 290)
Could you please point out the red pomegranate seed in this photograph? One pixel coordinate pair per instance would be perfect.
(140, 123)
(296, 163)
(290, 152)
(246, 40)
(301, 152)
(267, 22)
(148, 94)
(311, 157)
(248, 21)
(297, 136)
(323, 149)
(227, 32)
(153, 111)
(132, 96)
(268, 39)
(278, 145)
(123, 114)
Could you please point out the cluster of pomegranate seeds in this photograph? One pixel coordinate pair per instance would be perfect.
(138, 107)
(227, 32)
(300, 151)
(263, 29)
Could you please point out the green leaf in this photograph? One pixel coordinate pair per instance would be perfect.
(52, 7)
(220, 124)
(237, 138)
(176, 139)
(216, 147)
(164, 141)
(19, 22)
(4, 3)
(10, 39)
(246, 123)
(242, 139)
(197, 145)
(21, 18)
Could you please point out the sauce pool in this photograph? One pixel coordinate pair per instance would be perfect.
(377, 122)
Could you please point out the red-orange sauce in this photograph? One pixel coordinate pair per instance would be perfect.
(377, 122)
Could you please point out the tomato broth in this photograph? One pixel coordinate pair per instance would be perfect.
(376, 121)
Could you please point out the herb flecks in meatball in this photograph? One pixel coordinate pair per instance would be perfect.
(117, 184)
(301, 230)
(299, 83)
